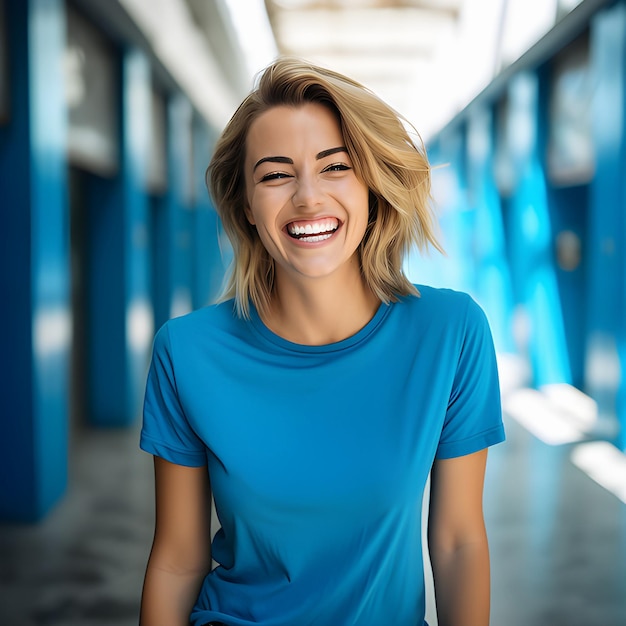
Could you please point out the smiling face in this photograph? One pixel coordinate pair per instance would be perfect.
(309, 208)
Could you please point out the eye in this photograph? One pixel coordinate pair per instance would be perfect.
(275, 176)
(336, 167)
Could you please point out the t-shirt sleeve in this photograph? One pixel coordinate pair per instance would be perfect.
(474, 417)
(166, 431)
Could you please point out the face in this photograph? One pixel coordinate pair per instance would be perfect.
(309, 208)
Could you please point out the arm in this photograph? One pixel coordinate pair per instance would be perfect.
(181, 550)
(458, 541)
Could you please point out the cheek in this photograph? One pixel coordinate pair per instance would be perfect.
(363, 203)
(262, 217)
(264, 206)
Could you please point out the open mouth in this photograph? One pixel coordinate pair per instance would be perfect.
(313, 231)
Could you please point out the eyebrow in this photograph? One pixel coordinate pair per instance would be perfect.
(282, 159)
(325, 153)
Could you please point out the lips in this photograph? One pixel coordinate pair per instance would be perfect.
(313, 230)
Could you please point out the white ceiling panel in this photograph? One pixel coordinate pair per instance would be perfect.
(388, 45)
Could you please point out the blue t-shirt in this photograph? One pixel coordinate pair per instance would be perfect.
(318, 455)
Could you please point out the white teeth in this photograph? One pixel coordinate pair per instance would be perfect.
(313, 229)
(316, 238)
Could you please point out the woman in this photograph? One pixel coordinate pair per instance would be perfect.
(314, 400)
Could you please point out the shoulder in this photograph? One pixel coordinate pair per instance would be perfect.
(202, 323)
(442, 314)
(441, 295)
(444, 304)
(210, 317)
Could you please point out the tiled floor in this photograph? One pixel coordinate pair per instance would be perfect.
(83, 566)
(558, 541)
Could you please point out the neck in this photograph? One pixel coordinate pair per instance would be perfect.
(320, 311)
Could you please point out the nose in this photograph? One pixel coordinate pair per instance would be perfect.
(308, 192)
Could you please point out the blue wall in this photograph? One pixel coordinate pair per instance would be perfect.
(606, 324)
(120, 307)
(146, 257)
(493, 280)
(507, 226)
(34, 276)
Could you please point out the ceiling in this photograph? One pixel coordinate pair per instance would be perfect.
(427, 58)
(390, 46)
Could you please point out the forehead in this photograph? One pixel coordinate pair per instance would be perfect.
(309, 126)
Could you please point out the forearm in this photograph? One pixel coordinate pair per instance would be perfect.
(168, 597)
(462, 585)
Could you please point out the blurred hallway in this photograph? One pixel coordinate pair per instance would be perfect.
(558, 540)
(107, 231)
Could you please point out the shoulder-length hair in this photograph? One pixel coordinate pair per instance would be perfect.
(384, 156)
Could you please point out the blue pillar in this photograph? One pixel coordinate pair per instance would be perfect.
(178, 208)
(457, 215)
(493, 282)
(455, 218)
(34, 260)
(160, 236)
(531, 235)
(121, 313)
(207, 269)
(569, 208)
(606, 352)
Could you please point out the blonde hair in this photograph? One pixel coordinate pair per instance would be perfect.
(383, 155)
